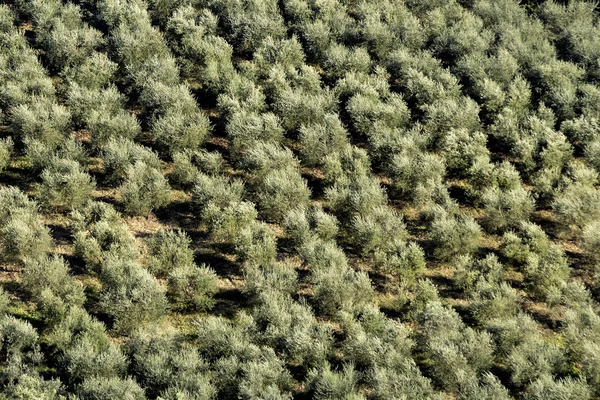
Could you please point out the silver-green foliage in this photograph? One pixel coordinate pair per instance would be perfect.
(130, 294)
(65, 185)
(22, 232)
(144, 189)
(6, 149)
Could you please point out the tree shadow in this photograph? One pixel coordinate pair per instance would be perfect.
(61, 234)
(223, 267)
(229, 302)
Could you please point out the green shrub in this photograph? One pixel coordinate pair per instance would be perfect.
(119, 154)
(43, 120)
(424, 292)
(591, 241)
(206, 57)
(544, 274)
(99, 232)
(185, 170)
(457, 352)
(242, 94)
(95, 72)
(453, 234)
(373, 231)
(167, 368)
(188, 164)
(484, 175)
(92, 357)
(6, 149)
(247, 27)
(321, 139)
(577, 205)
(301, 224)
(461, 149)
(130, 295)
(215, 190)
(67, 43)
(338, 60)
(49, 284)
(144, 189)
(276, 277)
(192, 287)
(30, 386)
(83, 348)
(404, 380)
(226, 224)
(325, 225)
(4, 301)
(238, 361)
(65, 185)
(266, 376)
(418, 175)
(285, 52)
(369, 334)
(104, 127)
(264, 157)
(219, 337)
(291, 329)
(298, 107)
(367, 110)
(547, 388)
(88, 105)
(326, 383)
(335, 285)
(490, 300)
(532, 359)
(110, 388)
(506, 208)
(175, 119)
(169, 250)
(355, 196)
(581, 336)
(42, 156)
(20, 348)
(177, 131)
(490, 387)
(22, 233)
(469, 273)
(279, 192)
(353, 83)
(256, 245)
(529, 239)
(443, 115)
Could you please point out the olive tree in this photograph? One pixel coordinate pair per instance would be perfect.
(109, 388)
(192, 287)
(22, 232)
(119, 154)
(321, 139)
(169, 250)
(49, 284)
(453, 234)
(144, 189)
(42, 119)
(6, 149)
(130, 295)
(98, 233)
(506, 208)
(65, 185)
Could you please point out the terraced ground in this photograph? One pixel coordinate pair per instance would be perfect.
(328, 199)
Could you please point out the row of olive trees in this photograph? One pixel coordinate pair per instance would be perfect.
(346, 296)
(151, 76)
(65, 184)
(77, 346)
